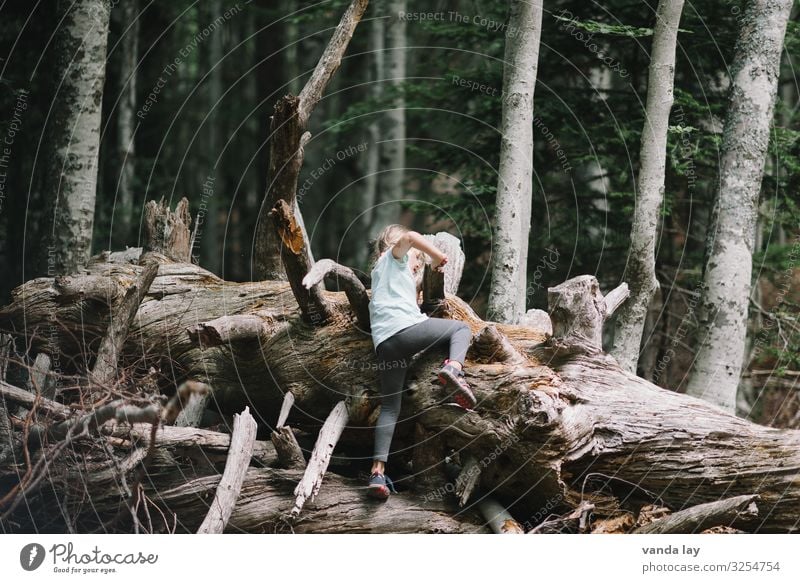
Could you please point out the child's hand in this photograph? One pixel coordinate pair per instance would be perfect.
(439, 266)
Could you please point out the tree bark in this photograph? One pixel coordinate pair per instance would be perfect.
(727, 512)
(724, 306)
(288, 136)
(242, 440)
(391, 179)
(640, 272)
(377, 31)
(210, 243)
(564, 426)
(127, 16)
(508, 291)
(73, 133)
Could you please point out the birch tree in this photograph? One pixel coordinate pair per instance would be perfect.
(640, 272)
(74, 131)
(507, 293)
(727, 271)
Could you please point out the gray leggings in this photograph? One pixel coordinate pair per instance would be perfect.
(394, 355)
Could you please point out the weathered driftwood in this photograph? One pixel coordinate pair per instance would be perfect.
(6, 434)
(191, 414)
(433, 297)
(288, 136)
(537, 320)
(105, 367)
(189, 442)
(454, 268)
(290, 455)
(329, 435)
(567, 429)
(296, 264)
(39, 380)
(241, 450)
(733, 512)
(467, 479)
(166, 231)
(11, 394)
(353, 288)
(87, 287)
(264, 503)
(491, 345)
(578, 310)
(286, 408)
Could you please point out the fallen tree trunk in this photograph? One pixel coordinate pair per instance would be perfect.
(182, 480)
(241, 450)
(731, 512)
(564, 426)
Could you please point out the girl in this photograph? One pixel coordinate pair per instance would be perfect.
(400, 330)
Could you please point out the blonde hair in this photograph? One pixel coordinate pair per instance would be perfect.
(386, 239)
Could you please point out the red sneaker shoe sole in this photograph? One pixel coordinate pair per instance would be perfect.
(461, 397)
(379, 492)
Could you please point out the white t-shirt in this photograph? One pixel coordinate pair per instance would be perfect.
(393, 305)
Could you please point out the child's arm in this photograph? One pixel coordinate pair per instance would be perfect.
(417, 241)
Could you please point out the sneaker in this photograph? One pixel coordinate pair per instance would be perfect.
(453, 377)
(380, 486)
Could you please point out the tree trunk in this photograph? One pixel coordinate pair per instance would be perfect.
(724, 307)
(507, 294)
(74, 132)
(640, 272)
(393, 147)
(372, 167)
(128, 22)
(288, 136)
(210, 242)
(558, 423)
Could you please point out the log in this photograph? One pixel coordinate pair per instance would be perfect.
(433, 296)
(166, 231)
(286, 408)
(263, 505)
(288, 136)
(190, 442)
(436, 285)
(353, 288)
(39, 380)
(105, 367)
(290, 455)
(537, 320)
(6, 434)
(311, 483)
(578, 310)
(12, 394)
(491, 345)
(296, 263)
(549, 429)
(227, 329)
(467, 480)
(731, 512)
(87, 287)
(191, 414)
(241, 450)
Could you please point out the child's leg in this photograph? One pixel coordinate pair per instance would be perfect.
(433, 332)
(392, 376)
